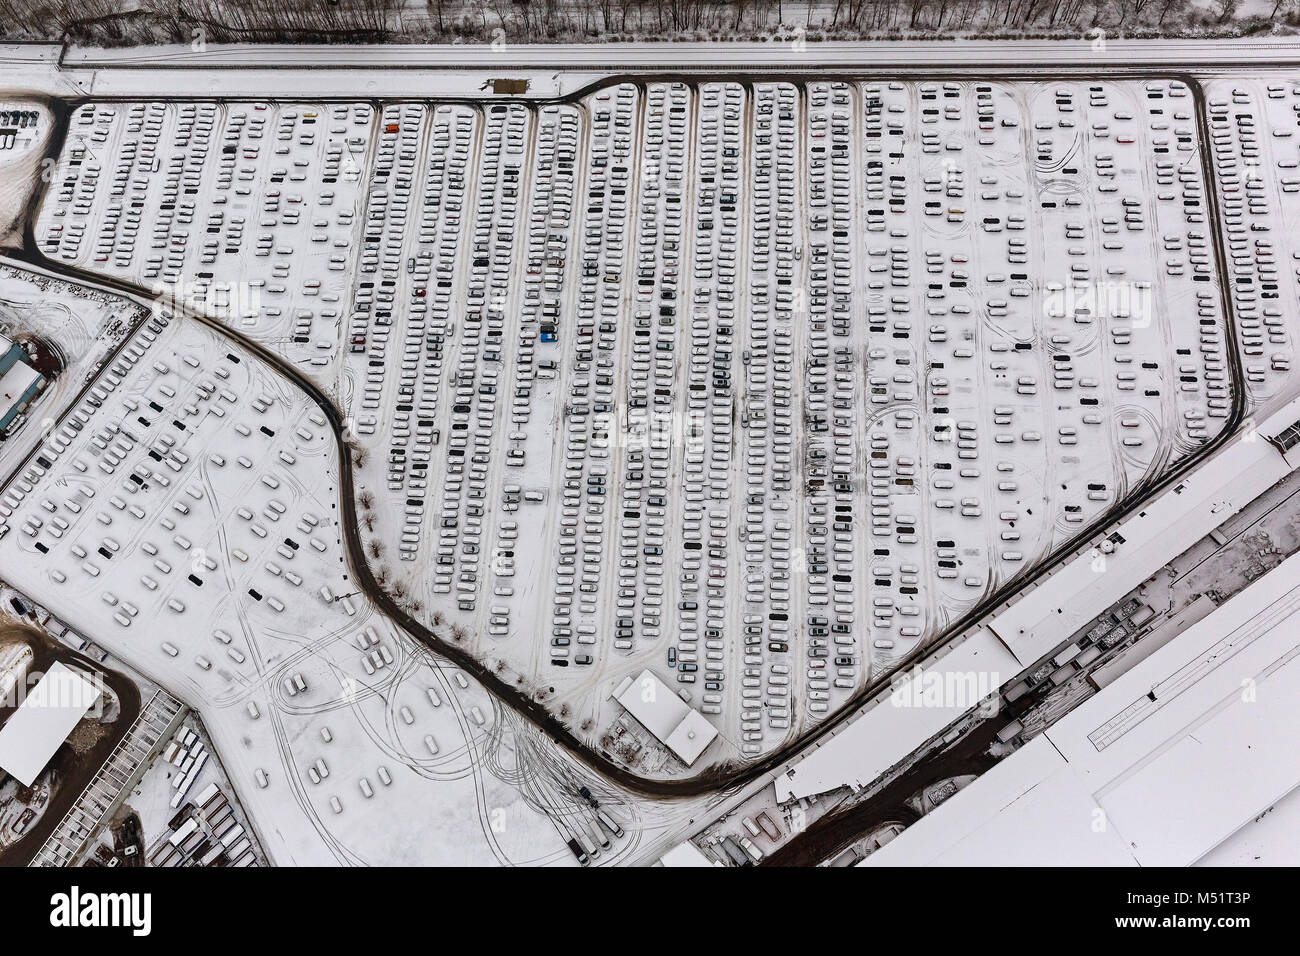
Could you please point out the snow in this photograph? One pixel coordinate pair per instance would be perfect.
(942, 328)
(489, 767)
(980, 297)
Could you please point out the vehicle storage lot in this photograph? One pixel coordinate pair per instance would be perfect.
(1255, 127)
(763, 384)
(758, 385)
(245, 211)
(183, 514)
(186, 484)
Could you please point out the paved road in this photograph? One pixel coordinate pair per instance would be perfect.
(674, 56)
(560, 71)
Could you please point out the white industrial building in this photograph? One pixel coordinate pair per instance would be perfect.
(43, 721)
(19, 382)
(1159, 768)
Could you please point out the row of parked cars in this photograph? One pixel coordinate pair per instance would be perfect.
(787, 365)
(196, 199)
(588, 429)
(798, 362)
(1254, 126)
(175, 486)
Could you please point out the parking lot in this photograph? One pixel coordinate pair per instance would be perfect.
(183, 511)
(760, 385)
(185, 476)
(247, 212)
(763, 386)
(1255, 128)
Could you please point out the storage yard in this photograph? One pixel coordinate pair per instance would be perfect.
(221, 573)
(760, 386)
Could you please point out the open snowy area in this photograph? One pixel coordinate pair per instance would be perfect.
(183, 511)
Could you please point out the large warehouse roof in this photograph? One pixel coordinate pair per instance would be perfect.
(891, 729)
(1164, 764)
(1030, 810)
(43, 721)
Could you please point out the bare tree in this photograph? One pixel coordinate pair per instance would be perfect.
(1131, 8)
(436, 6)
(1227, 9)
(1167, 8)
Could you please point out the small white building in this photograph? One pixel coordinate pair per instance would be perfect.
(678, 726)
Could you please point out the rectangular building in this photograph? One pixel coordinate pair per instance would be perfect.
(43, 721)
(19, 382)
(1158, 768)
(678, 726)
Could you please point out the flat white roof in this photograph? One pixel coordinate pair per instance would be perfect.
(1029, 810)
(689, 738)
(1175, 755)
(14, 382)
(880, 737)
(678, 726)
(1270, 840)
(685, 854)
(43, 721)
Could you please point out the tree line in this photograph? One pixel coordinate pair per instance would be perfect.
(115, 22)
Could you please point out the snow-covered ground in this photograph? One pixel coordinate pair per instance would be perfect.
(83, 325)
(1255, 126)
(188, 522)
(249, 212)
(25, 127)
(990, 308)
